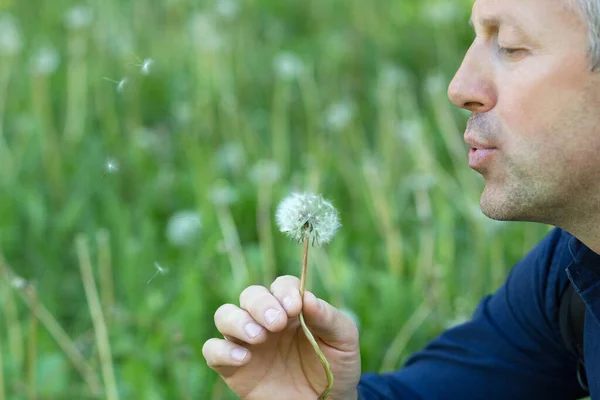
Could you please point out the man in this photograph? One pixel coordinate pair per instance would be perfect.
(534, 137)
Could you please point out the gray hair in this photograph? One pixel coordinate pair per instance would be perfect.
(590, 11)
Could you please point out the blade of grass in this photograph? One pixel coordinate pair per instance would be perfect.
(57, 333)
(32, 343)
(98, 321)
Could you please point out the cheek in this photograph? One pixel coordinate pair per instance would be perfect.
(535, 101)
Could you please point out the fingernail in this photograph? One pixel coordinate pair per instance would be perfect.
(271, 315)
(238, 354)
(253, 329)
(288, 302)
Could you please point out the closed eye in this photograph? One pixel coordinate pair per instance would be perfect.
(509, 51)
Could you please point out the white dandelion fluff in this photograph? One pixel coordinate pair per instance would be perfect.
(78, 17)
(288, 65)
(184, 228)
(159, 270)
(111, 166)
(265, 172)
(45, 61)
(120, 84)
(10, 35)
(306, 215)
(145, 65)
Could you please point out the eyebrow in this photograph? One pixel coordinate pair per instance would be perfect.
(497, 21)
(489, 21)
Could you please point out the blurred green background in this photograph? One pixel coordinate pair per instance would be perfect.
(139, 198)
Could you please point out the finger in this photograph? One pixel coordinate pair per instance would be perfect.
(235, 323)
(264, 308)
(221, 355)
(286, 290)
(330, 324)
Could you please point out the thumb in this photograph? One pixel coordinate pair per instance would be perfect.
(329, 324)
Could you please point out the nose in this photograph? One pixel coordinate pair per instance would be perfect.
(472, 87)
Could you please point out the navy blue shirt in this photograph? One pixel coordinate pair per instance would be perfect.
(512, 347)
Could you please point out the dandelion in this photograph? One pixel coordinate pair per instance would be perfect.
(111, 167)
(306, 217)
(159, 270)
(120, 84)
(78, 17)
(288, 65)
(222, 194)
(45, 61)
(10, 35)
(230, 157)
(338, 115)
(265, 172)
(205, 34)
(18, 283)
(183, 228)
(227, 8)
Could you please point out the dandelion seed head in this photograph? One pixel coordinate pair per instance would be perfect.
(339, 115)
(265, 172)
(45, 61)
(205, 35)
(288, 65)
(222, 194)
(78, 17)
(227, 8)
(306, 215)
(230, 157)
(184, 228)
(18, 283)
(10, 36)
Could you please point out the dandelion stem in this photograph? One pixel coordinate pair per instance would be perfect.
(304, 268)
(307, 332)
(32, 347)
(2, 394)
(98, 320)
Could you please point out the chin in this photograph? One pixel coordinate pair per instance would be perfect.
(501, 207)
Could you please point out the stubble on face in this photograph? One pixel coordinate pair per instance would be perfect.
(545, 125)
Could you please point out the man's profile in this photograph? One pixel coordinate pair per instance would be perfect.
(531, 83)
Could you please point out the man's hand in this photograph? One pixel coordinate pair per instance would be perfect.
(265, 354)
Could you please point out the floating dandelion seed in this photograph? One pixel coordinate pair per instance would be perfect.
(144, 64)
(120, 84)
(159, 270)
(111, 167)
(307, 215)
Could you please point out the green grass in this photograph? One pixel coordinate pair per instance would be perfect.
(414, 253)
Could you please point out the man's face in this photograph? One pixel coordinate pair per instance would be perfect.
(538, 105)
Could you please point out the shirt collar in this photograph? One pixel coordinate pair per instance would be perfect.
(581, 253)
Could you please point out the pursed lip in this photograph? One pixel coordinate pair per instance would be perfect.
(476, 144)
